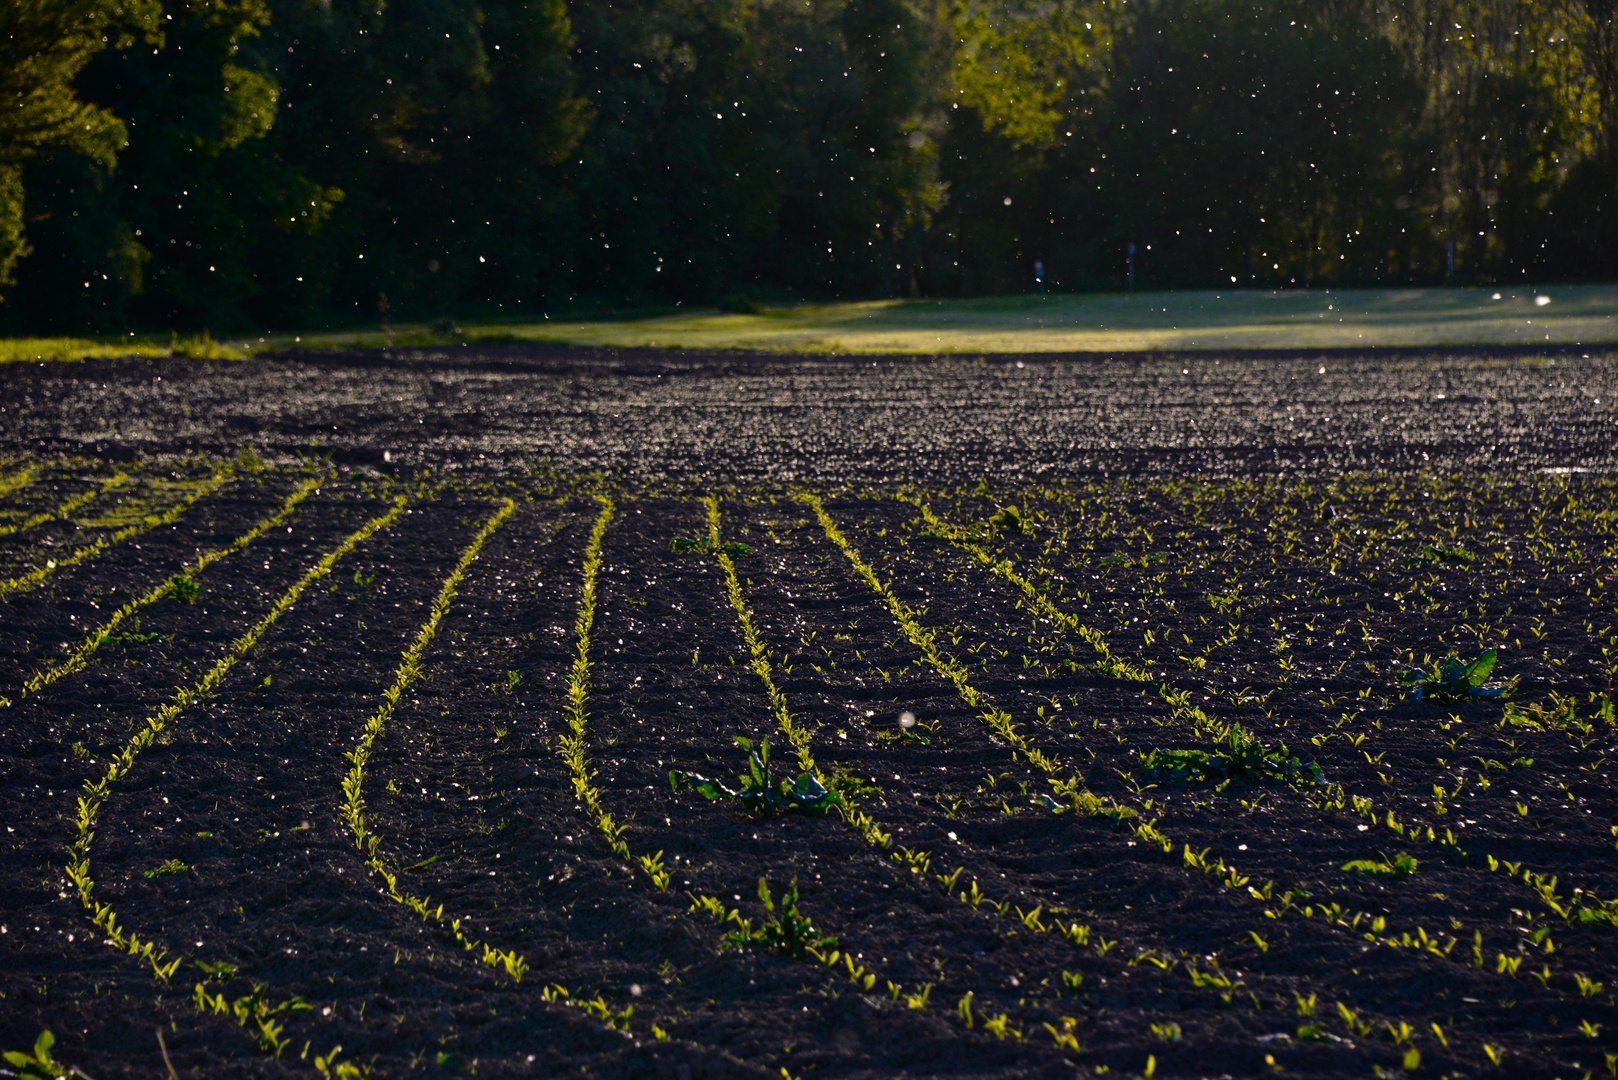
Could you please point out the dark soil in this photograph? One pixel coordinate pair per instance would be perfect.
(1265, 566)
(652, 416)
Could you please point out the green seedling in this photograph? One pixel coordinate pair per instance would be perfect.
(1456, 680)
(760, 792)
(40, 1065)
(220, 971)
(785, 929)
(1010, 520)
(848, 785)
(907, 731)
(172, 866)
(681, 545)
(1401, 865)
(1083, 803)
(183, 589)
(1431, 555)
(1239, 755)
(1129, 562)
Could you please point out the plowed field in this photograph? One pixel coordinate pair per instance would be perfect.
(369, 716)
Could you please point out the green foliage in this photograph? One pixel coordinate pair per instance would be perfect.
(183, 588)
(1239, 755)
(287, 163)
(1431, 554)
(47, 44)
(1008, 520)
(681, 545)
(1455, 680)
(39, 1065)
(760, 792)
(1401, 865)
(784, 929)
(172, 866)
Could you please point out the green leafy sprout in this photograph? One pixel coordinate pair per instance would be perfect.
(1457, 680)
(760, 792)
(40, 1065)
(1238, 755)
(1431, 554)
(1010, 520)
(784, 929)
(1401, 865)
(681, 545)
(172, 866)
(183, 589)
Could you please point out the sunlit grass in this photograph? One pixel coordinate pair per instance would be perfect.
(1112, 322)
(30, 350)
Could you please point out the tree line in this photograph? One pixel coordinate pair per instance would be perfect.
(281, 164)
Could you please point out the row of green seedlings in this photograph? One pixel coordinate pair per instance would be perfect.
(1206, 979)
(1227, 875)
(182, 587)
(775, 930)
(1069, 790)
(573, 753)
(1242, 756)
(1453, 681)
(22, 478)
(352, 809)
(924, 639)
(1106, 662)
(252, 1009)
(783, 929)
(1235, 762)
(1429, 558)
(789, 931)
(63, 509)
(23, 582)
(919, 862)
(1583, 905)
(1456, 681)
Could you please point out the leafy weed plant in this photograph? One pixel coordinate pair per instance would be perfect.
(1239, 755)
(784, 929)
(40, 1065)
(761, 793)
(1456, 680)
(1401, 865)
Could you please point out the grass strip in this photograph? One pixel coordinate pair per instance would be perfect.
(84, 554)
(97, 637)
(118, 480)
(353, 806)
(964, 540)
(96, 792)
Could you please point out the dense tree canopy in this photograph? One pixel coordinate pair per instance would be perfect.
(279, 164)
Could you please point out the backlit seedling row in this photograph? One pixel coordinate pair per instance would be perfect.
(98, 791)
(352, 809)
